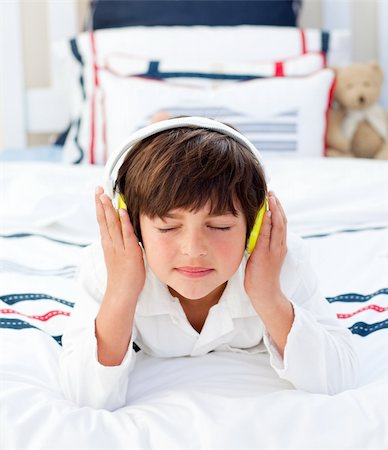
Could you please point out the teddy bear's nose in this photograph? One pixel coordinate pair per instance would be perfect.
(361, 99)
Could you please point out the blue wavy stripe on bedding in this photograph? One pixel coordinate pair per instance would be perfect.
(23, 235)
(11, 299)
(357, 298)
(363, 329)
(11, 266)
(17, 324)
(350, 230)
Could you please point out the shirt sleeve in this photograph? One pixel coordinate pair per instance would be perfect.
(320, 354)
(83, 379)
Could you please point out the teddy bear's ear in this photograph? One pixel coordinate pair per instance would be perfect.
(377, 69)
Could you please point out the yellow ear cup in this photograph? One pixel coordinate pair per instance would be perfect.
(256, 227)
(121, 203)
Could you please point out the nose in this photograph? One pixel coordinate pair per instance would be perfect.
(361, 99)
(194, 244)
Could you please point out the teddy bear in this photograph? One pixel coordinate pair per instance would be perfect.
(357, 125)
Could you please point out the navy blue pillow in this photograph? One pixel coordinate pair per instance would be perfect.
(123, 13)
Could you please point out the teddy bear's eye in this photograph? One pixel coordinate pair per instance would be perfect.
(349, 85)
(366, 84)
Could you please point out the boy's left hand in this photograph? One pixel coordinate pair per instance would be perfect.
(262, 273)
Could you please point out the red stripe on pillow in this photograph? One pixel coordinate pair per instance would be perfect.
(329, 100)
(93, 102)
(279, 69)
(303, 41)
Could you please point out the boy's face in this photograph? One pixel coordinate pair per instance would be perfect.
(194, 253)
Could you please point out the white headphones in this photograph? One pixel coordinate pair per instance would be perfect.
(112, 165)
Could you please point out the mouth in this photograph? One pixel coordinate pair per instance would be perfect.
(194, 272)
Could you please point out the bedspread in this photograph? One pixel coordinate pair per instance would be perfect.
(218, 401)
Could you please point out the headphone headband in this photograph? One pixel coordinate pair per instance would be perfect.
(192, 122)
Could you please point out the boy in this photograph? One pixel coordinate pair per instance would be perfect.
(192, 189)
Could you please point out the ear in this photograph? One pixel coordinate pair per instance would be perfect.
(375, 66)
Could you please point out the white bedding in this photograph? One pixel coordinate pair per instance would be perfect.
(221, 400)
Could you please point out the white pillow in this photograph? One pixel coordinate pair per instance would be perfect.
(282, 116)
(234, 44)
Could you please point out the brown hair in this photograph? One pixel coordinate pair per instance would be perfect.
(186, 167)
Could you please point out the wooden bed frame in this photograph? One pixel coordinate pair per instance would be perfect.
(36, 110)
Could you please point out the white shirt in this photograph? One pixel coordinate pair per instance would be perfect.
(319, 355)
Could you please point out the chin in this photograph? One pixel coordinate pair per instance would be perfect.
(193, 294)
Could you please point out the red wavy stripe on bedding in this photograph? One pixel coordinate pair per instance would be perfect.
(376, 308)
(43, 318)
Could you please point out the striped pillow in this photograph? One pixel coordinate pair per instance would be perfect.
(282, 116)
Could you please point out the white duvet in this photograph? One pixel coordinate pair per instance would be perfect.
(220, 400)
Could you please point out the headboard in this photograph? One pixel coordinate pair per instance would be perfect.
(43, 110)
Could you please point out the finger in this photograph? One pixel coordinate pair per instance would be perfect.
(100, 213)
(113, 223)
(127, 228)
(277, 235)
(279, 205)
(264, 238)
(281, 209)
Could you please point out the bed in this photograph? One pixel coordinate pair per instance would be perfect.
(221, 400)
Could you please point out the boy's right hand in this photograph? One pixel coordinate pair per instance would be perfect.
(122, 252)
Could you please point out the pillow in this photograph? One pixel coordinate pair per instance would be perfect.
(281, 116)
(111, 13)
(237, 44)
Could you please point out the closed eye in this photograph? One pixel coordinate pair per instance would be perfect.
(165, 230)
(220, 228)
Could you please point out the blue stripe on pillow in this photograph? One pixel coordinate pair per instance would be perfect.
(77, 55)
(325, 41)
(278, 134)
(154, 72)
